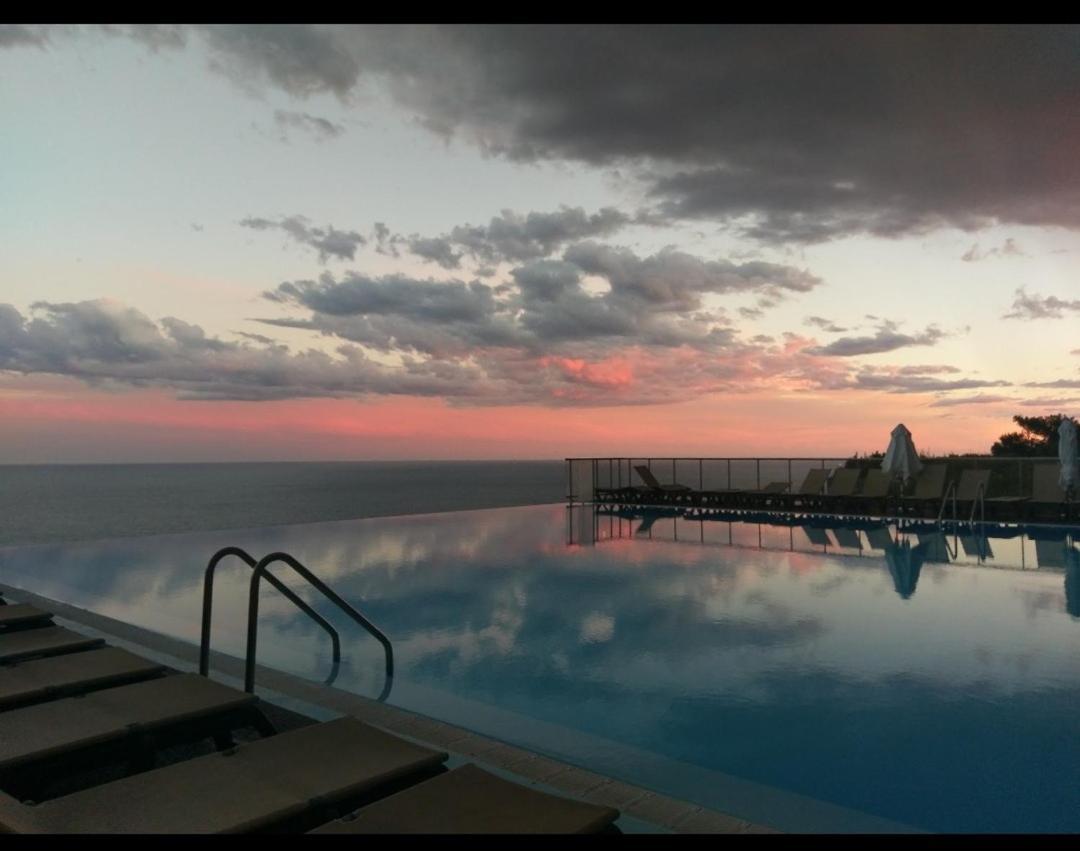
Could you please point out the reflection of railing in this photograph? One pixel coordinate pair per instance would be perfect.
(262, 569)
(208, 603)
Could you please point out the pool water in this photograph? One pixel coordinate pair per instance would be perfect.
(809, 678)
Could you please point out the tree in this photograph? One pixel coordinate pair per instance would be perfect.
(1039, 436)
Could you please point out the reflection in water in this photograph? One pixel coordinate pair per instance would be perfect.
(905, 562)
(529, 623)
(1072, 582)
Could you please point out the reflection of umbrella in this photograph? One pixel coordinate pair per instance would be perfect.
(901, 459)
(1072, 582)
(1067, 455)
(905, 562)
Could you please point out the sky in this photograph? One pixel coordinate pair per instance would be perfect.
(380, 242)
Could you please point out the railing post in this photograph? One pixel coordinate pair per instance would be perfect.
(700, 475)
(729, 474)
(757, 463)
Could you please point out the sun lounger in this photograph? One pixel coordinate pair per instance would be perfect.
(874, 494)
(184, 706)
(928, 493)
(770, 496)
(42, 641)
(840, 490)
(808, 494)
(254, 785)
(470, 800)
(20, 615)
(52, 677)
(1048, 499)
(653, 487)
(972, 489)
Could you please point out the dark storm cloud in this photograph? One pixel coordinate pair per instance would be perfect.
(320, 128)
(887, 339)
(328, 242)
(788, 133)
(1027, 306)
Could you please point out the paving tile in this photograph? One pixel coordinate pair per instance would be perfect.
(710, 821)
(540, 769)
(578, 781)
(660, 809)
(504, 755)
(473, 745)
(614, 793)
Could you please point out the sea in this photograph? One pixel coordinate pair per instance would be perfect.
(53, 503)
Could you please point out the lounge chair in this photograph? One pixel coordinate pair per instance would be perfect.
(929, 491)
(840, 490)
(471, 800)
(291, 776)
(653, 487)
(808, 494)
(972, 490)
(124, 721)
(874, 495)
(44, 679)
(1048, 499)
(19, 615)
(770, 496)
(16, 645)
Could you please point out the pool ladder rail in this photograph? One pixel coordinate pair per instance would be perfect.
(260, 569)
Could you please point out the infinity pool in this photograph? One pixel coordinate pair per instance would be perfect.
(807, 678)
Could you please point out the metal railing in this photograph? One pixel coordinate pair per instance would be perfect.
(585, 476)
(260, 570)
(208, 604)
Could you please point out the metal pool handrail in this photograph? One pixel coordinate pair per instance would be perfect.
(262, 568)
(208, 603)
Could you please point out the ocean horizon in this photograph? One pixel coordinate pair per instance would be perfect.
(53, 503)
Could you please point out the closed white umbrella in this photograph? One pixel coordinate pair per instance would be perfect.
(901, 459)
(1067, 455)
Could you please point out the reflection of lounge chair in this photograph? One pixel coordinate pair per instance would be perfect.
(1072, 581)
(934, 547)
(846, 537)
(976, 546)
(928, 493)
(646, 524)
(653, 487)
(818, 537)
(1050, 552)
(1048, 500)
(880, 538)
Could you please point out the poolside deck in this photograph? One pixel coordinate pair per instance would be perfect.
(297, 702)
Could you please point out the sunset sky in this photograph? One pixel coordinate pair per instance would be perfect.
(307, 243)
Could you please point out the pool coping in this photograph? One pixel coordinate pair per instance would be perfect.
(655, 810)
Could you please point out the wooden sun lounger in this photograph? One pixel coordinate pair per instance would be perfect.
(808, 494)
(52, 677)
(841, 489)
(72, 726)
(252, 786)
(42, 641)
(1048, 500)
(471, 800)
(22, 614)
(653, 487)
(973, 486)
(929, 491)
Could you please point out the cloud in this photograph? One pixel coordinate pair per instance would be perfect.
(1007, 249)
(328, 242)
(977, 399)
(320, 128)
(882, 130)
(1050, 402)
(908, 379)
(1040, 307)
(1060, 383)
(824, 324)
(887, 339)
